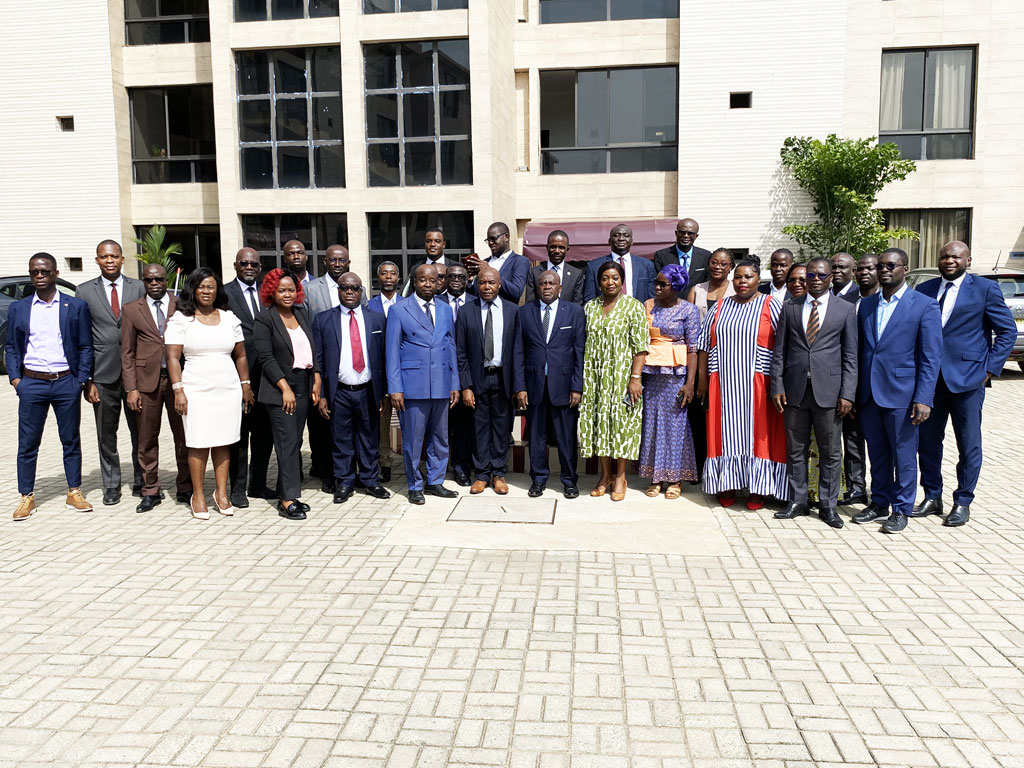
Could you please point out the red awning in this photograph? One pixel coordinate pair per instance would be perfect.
(589, 239)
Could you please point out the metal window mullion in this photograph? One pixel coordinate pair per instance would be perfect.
(273, 124)
(269, 18)
(436, 94)
(400, 99)
(311, 176)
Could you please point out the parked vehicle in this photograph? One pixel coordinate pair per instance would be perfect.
(12, 289)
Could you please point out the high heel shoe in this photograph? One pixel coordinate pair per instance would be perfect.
(755, 502)
(618, 495)
(227, 511)
(599, 490)
(204, 515)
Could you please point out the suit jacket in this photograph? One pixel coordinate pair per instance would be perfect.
(469, 344)
(242, 310)
(572, 283)
(318, 294)
(274, 351)
(698, 270)
(106, 329)
(75, 331)
(850, 296)
(421, 359)
(327, 343)
(142, 346)
(902, 367)
(513, 277)
(979, 335)
(643, 278)
(376, 304)
(831, 361)
(561, 356)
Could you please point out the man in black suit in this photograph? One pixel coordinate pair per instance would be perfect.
(548, 379)
(461, 427)
(256, 440)
(484, 337)
(814, 383)
(349, 341)
(779, 266)
(570, 278)
(685, 254)
(433, 247)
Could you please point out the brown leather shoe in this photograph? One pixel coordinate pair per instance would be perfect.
(76, 501)
(478, 486)
(25, 507)
(500, 486)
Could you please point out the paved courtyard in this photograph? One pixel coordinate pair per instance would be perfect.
(650, 634)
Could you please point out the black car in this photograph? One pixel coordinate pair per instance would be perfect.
(12, 289)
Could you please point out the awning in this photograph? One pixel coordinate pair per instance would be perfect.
(589, 239)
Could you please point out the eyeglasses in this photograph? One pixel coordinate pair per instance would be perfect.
(350, 288)
(338, 260)
(40, 272)
(495, 239)
(819, 275)
(890, 266)
(797, 280)
(153, 279)
(662, 284)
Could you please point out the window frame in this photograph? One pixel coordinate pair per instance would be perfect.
(607, 15)
(191, 21)
(213, 263)
(923, 133)
(268, 15)
(169, 158)
(400, 92)
(370, 10)
(272, 96)
(315, 252)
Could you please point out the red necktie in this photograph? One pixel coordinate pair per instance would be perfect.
(115, 305)
(358, 364)
(622, 263)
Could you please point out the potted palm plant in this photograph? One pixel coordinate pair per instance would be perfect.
(152, 250)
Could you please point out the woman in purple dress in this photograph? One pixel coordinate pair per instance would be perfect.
(666, 449)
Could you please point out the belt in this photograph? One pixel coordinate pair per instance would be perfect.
(490, 370)
(353, 387)
(44, 376)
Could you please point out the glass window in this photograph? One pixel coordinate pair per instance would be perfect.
(407, 6)
(399, 237)
(200, 247)
(172, 134)
(267, 234)
(418, 113)
(155, 22)
(936, 227)
(289, 118)
(566, 11)
(926, 106)
(608, 120)
(263, 10)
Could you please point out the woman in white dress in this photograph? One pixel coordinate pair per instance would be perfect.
(214, 387)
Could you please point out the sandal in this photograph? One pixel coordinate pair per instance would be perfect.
(653, 490)
(599, 490)
(674, 491)
(204, 515)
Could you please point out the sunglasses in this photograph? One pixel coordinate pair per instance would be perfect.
(819, 275)
(153, 279)
(40, 272)
(350, 288)
(662, 284)
(889, 266)
(246, 264)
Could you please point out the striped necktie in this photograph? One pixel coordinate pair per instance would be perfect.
(812, 323)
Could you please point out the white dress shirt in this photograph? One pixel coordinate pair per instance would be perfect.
(346, 373)
(119, 282)
(246, 289)
(497, 262)
(386, 304)
(423, 307)
(951, 294)
(497, 323)
(627, 264)
(822, 309)
(554, 313)
(779, 294)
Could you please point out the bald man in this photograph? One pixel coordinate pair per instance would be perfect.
(322, 292)
(685, 253)
(244, 301)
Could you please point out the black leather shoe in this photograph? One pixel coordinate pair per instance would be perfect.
(111, 496)
(147, 503)
(183, 498)
(793, 509)
(292, 512)
(239, 500)
(462, 479)
(439, 490)
(385, 474)
(571, 492)
(302, 505)
(327, 485)
(378, 492)
(894, 523)
(928, 507)
(137, 491)
(416, 497)
(535, 490)
(850, 499)
(958, 515)
(342, 493)
(830, 516)
(869, 514)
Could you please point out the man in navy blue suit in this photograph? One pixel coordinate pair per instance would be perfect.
(49, 360)
(484, 337)
(548, 379)
(512, 267)
(640, 274)
(978, 332)
(900, 344)
(423, 380)
(349, 342)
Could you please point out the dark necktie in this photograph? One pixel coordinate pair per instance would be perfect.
(430, 315)
(489, 336)
(252, 301)
(547, 322)
(942, 298)
(160, 325)
(115, 304)
(812, 323)
(455, 308)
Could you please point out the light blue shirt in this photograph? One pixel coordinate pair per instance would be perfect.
(685, 257)
(886, 308)
(45, 349)
(497, 322)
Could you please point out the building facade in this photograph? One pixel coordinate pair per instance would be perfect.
(249, 122)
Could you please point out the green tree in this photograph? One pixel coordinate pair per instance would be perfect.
(843, 177)
(153, 251)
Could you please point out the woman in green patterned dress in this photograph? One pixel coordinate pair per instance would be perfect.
(611, 411)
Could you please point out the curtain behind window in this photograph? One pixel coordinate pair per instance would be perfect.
(947, 95)
(894, 67)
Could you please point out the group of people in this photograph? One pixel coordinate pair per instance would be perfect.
(685, 364)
